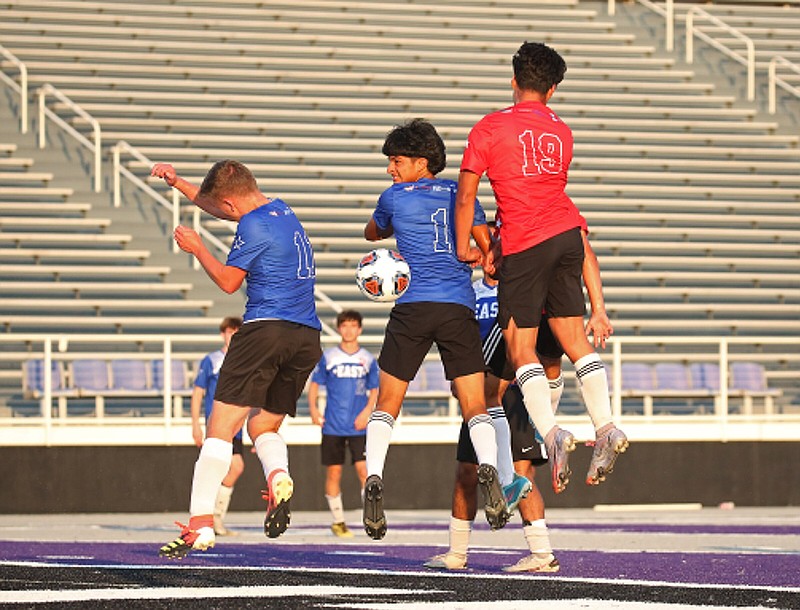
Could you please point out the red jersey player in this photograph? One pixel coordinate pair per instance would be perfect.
(525, 150)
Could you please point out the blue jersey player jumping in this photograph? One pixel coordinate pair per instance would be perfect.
(270, 358)
(438, 307)
(349, 374)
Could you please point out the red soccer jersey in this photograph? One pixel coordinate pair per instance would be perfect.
(525, 150)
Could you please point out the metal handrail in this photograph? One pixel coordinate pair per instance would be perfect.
(22, 88)
(173, 205)
(56, 347)
(749, 61)
(175, 209)
(774, 80)
(667, 11)
(45, 112)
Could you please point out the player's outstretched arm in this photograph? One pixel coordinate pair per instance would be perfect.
(599, 326)
(191, 192)
(228, 278)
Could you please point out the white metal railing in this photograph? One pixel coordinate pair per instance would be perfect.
(667, 12)
(777, 81)
(49, 429)
(174, 207)
(696, 13)
(45, 112)
(22, 88)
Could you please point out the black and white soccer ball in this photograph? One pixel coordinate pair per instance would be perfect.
(383, 275)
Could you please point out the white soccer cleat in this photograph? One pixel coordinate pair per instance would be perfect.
(447, 561)
(535, 562)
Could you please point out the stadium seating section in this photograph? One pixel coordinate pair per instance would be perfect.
(690, 192)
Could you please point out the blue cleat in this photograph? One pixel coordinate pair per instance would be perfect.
(515, 491)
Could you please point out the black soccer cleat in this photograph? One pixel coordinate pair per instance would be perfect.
(374, 517)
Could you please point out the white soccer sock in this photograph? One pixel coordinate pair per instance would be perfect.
(379, 435)
(481, 433)
(556, 390)
(594, 388)
(272, 452)
(537, 537)
(460, 531)
(224, 494)
(337, 508)
(536, 394)
(210, 468)
(505, 461)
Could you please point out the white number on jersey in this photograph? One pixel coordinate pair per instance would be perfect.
(441, 228)
(305, 257)
(541, 154)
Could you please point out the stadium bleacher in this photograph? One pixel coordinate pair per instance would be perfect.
(691, 194)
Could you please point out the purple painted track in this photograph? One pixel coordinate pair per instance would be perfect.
(751, 569)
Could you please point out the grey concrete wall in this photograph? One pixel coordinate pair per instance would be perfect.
(153, 479)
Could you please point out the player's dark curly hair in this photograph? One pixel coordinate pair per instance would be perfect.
(537, 67)
(417, 138)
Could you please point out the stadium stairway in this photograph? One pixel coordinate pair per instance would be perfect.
(71, 263)
(691, 193)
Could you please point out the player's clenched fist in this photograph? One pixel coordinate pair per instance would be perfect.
(165, 171)
(187, 239)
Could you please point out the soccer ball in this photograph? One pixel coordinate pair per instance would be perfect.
(383, 275)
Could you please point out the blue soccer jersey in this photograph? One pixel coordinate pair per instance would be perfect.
(272, 246)
(207, 377)
(348, 378)
(485, 306)
(421, 214)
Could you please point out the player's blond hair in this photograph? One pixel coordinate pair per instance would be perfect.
(226, 178)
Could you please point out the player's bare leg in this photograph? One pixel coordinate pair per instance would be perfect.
(465, 506)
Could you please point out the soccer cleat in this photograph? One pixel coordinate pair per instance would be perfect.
(279, 492)
(606, 450)
(535, 562)
(494, 502)
(374, 517)
(558, 450)
(341, 530)
(189, 540)
(515, 491)
(447, 561)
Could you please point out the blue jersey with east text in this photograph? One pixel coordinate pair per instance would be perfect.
(207, 377)
(348, 378)
(272, 246)
(421, 214)
(485, 306)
